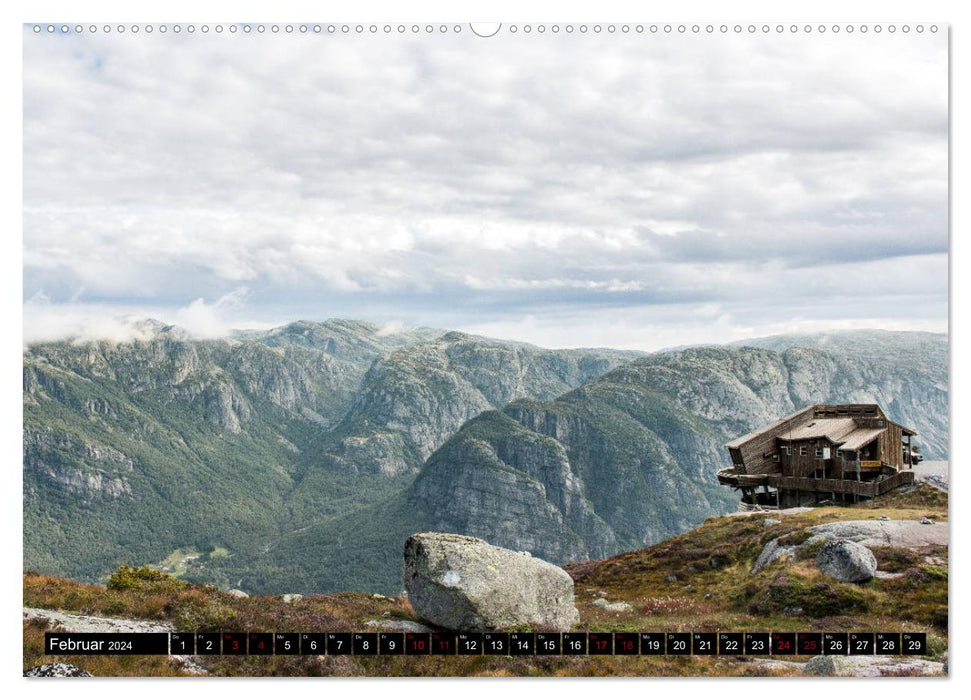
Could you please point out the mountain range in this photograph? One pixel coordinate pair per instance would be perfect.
(300, 459)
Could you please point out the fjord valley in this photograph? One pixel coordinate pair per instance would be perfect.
(300, 459)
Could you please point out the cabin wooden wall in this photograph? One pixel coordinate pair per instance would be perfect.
(798, 465)
(891, 445)
(757, 452)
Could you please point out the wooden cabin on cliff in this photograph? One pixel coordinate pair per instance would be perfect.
(824, 453)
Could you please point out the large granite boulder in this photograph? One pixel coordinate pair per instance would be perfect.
(464, 583)
(846, 561)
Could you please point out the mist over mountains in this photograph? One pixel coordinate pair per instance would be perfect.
(300, 459)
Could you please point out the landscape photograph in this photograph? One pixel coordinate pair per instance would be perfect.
(514, 344)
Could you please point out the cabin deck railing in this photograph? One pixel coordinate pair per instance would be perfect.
(868, 489)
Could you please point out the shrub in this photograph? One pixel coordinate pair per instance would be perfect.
(816, 598)
(143, 578)
(895, 559)
(933, 573)
(795, 538)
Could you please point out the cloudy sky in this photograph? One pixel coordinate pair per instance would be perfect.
(634, 191)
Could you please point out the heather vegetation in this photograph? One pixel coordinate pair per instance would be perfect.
(698, 581)
(703, 579)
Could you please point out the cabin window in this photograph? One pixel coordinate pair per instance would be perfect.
(802, 450)
(788, 449)
(827, 453)
(819, 452)
(839, 453)
(775, 457)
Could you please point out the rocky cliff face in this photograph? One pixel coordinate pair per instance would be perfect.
(621, 465)
(515, 486)
(413, 399)
(84, 470)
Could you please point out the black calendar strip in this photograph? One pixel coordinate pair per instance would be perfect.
(489, 643)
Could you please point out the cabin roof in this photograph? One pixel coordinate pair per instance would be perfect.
(859, 437)
(831, 428)
(837, 426)
(739, 441)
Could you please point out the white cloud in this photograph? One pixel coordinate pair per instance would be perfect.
(82, 322)
(457, 178)
(648, 328)
(204, 320)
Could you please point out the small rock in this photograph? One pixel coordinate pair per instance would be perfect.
(399, 625)
(378, 596)
(464, 583)
(886, 575)
(883, 517)
(846, 561)
(619, 606)
(58, 670)
(769, 522)
(793, 610)
(291, 597)
(706, 596)
(777, 665)
(870, 666)
(824, 666)
(770, 552)
(671, 578)
(926, 521)
(236, 593)
(190, 665)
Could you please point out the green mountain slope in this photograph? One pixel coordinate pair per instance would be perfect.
(132, 451)
(219, 448)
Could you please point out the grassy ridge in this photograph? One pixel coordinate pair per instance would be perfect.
(699, 581)
(702, 579)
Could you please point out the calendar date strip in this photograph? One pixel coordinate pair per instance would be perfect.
(489, 643)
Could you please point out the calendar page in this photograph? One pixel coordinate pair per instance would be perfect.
(513, 349)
